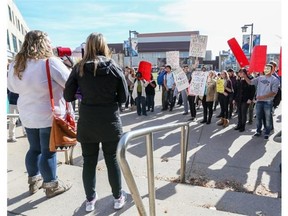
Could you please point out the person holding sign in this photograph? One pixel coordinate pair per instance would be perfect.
(224, 89)
(208, 98)
(244, 95)
(169, 85)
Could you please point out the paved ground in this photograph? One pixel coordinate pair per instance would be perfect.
(220, 161)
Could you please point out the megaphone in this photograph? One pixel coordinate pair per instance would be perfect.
(63, 51)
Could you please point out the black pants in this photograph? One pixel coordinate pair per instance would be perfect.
(242, 108)
(223, 100)
(192, 105)
(207, 107)
(90, 152)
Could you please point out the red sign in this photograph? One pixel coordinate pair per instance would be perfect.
(238, 52)
(280, 63)
(258, 59)
(145, 69)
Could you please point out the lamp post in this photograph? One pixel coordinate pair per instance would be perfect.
(244, 29)
(130, 42)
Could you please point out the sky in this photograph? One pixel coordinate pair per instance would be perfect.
(68, 23)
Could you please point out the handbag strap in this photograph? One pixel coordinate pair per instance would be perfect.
(50, 87)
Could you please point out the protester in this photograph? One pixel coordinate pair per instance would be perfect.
(208, 98)
(150, 94)
(244, 95)
(12, 98)
(223, 97)
(103, 88)
(27, 77)
(266, 88)
(231, 105)
(139, 93)
(183, 93)
(169, 85)
(129, 71)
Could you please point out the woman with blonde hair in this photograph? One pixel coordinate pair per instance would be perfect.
(103, 87)
(27, 77)
(224, 89)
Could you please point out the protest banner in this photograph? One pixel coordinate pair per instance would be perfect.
(172, 59)
(180, 79)
(198, 44)
(198, 82)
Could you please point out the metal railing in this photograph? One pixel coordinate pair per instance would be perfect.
(121, 157)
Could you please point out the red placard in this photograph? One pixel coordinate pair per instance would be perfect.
(238, 52)
(145, 69)
(258, 59)
(280, 63)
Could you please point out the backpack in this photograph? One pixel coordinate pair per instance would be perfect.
(160, 78)
(277, 98)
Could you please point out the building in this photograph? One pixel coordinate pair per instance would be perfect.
(16, 30)
(152, 47)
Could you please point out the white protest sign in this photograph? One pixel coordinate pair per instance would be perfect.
(198, 44)
(198, 82)
(180, 79)
(172, 59)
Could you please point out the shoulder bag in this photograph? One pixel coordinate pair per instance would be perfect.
(63, 130)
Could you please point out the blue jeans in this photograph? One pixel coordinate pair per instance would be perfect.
(140, 104)
(39, 159)
(264, 112)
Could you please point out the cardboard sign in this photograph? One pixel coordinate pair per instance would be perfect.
(172, 59)
(180, 79)
(238, 52)
(258, 59)
(198, 83)
(198, 44)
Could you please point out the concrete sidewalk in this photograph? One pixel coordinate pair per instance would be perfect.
(218, 159)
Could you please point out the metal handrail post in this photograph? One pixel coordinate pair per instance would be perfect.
(121, 157)
(121, 152)
(184, 146)
(150, 173)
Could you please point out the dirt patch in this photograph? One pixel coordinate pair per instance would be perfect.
(228, 185)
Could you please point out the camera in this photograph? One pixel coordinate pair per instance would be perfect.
(138, 75)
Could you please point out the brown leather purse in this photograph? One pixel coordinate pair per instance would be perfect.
(63, 130)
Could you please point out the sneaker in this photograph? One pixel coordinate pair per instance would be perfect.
(185, 113)
(12, 140)
(90, 206)
(120, 202)
(191, 119)
(257, 134)
(55, 188)
(266, 137)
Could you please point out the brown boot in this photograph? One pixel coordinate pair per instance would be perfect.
(55, 188)
(35, 183)
(221, 122)
(226, 123)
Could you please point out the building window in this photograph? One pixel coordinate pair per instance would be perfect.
(20, 44)
(13, 18)
(10, 15)
(8, 41)
(15, 43)
(22, 29)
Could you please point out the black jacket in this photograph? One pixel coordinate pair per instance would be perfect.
(244, 91)
(99, 118)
